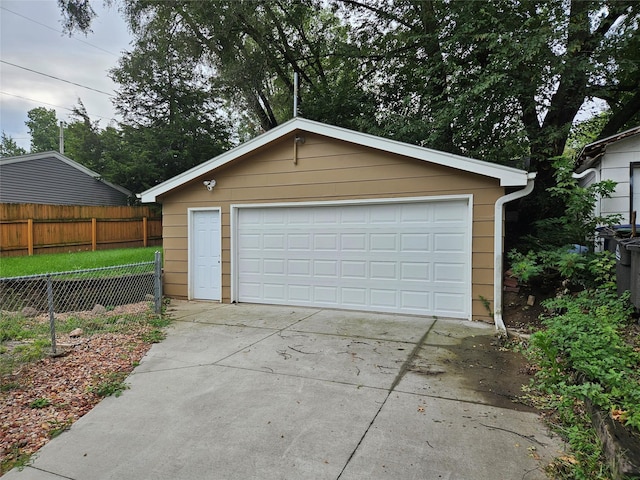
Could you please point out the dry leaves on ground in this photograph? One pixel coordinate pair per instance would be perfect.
(47, 396)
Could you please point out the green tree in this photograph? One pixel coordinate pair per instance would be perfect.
(252, 49)
(9, 147)
(585, 132)
(82, 139)
(44, 129)
(171, 111)
(499, 80)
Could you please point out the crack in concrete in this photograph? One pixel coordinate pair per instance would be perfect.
(403, 370)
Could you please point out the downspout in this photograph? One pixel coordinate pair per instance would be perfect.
(498, 233)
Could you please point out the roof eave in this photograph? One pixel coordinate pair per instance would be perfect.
(508, 176)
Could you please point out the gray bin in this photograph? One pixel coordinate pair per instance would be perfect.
(634, 272)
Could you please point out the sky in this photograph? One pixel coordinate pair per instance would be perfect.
(31, 38)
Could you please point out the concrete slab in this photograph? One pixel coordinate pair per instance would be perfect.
(356, 361)
(266, 316)
(470, 368)
(214, 422)
(452, 331)
(244, 391)
(366, 325)
(190, 344)
(181, 309)
(415, 437)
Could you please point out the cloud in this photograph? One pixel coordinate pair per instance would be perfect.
(30, 37)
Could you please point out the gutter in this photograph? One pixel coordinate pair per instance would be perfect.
(596, 174)
(498, 246)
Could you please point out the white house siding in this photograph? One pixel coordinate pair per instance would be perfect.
(615, 165)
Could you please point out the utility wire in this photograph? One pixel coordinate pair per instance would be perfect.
(50, 104)
(56, 78)
(58, 31)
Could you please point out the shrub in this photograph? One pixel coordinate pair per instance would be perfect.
(583, 356)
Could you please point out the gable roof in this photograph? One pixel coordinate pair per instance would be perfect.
(508, 176)
(591, 153)
(67, 181)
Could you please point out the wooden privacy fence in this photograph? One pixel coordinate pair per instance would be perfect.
(27, 229)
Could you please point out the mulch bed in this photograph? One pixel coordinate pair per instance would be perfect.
(43, 398)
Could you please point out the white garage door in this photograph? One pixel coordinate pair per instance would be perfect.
(385, 257)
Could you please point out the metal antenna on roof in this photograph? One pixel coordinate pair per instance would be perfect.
(61, 137)
(295, 94)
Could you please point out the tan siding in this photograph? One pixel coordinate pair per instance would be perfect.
(327, 170)
(483, 228)
(483, 258)
(482, 244)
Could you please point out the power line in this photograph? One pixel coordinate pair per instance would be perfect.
(56, 78)
(58, 31)
(50, 104)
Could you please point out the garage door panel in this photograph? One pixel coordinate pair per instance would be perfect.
(449, 272)
(274, 266)
(273, 241)
(299, 267)
(299, 241)
(356, 242)
(384, 215)
(419, 271)
(383, 242)
(415, 242)
(249, 266)
(326, 295)
(251, 242)
(415, 300)
(415, 213)
(325, 241)
(384, 299)
(326, 268)
(353, 269)
(449, 303)
(449, 242)
(354, 216)
(274, 292)
(396, 257)
(353, 297)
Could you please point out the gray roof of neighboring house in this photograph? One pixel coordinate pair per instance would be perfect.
(592, 152)
(52, 178)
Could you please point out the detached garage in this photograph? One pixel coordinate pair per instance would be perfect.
(309, 214)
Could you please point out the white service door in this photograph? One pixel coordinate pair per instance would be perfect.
(205, 255)
(390, 257)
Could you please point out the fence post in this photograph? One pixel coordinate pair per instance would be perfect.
(157, 283)
(52, 320)
(30, 236)
(94, 234)
(145, 241)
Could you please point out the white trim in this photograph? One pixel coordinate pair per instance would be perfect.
(359, 201)
(509, 177)
(190, 246)
(235, 208)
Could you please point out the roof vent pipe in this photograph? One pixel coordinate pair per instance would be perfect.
(295, 94)
(498, 246)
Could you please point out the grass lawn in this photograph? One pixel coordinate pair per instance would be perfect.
(64, 262)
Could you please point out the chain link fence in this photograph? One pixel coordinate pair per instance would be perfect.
(59, 307)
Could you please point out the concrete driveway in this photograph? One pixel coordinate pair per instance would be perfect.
(249, 391)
